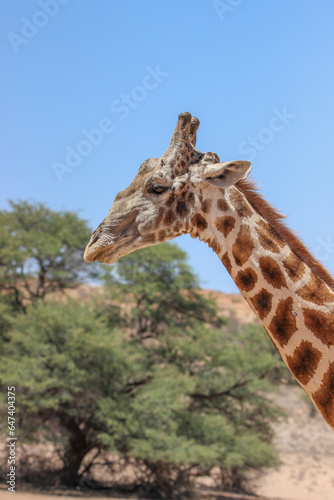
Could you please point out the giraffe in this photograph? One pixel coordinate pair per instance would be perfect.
(186, 191)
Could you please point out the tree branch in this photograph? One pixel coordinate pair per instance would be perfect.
(227, 392)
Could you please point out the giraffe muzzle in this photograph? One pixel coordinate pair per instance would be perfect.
(111, 239)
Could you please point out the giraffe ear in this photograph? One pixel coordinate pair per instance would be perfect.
(227, 173)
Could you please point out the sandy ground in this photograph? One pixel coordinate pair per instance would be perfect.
(5, 495)
(306, 446)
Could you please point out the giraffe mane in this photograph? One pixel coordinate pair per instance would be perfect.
(274, 218)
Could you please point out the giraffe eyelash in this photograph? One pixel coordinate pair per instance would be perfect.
(158, 189)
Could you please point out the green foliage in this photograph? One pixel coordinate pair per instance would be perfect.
(63, 359)
(40, 251)
(67, 356)
(204, 403)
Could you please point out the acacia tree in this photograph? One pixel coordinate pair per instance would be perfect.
(62, 359)
(40, 252)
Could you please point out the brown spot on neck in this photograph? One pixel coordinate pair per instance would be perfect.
(206, 205)
(222, 205)
(321, 324)
(227, 262)
(246, 279)
(294, 267)
(262, 303)
(272, 272)
(225, 224)
(199, 222)
(324, 396)
(243, 246)
(316, 291)
(304, 361)
(268, 238)
(215, 245)
(283, 325)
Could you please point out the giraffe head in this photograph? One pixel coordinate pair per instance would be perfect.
(165, 198)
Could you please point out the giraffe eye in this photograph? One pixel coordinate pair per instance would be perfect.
(158, 189)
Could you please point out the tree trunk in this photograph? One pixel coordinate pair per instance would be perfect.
(75, 452)
(72, 461)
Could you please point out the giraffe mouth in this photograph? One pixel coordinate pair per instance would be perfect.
(112, 255)
(109, 254)
(113, 238)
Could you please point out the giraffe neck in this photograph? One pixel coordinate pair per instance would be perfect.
(294, 304)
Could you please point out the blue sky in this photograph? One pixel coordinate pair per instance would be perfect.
(258, 74)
